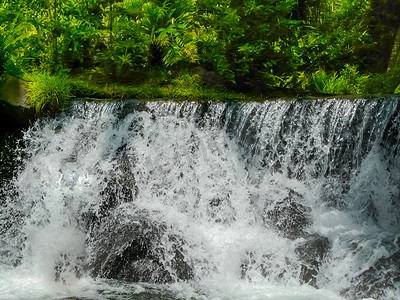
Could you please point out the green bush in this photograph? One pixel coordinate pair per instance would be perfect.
(47, 93)
(348, 81)
(397, 90)
(384, 83)
(186, 84)
(327, 83)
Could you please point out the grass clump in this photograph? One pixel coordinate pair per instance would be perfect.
(47, 93)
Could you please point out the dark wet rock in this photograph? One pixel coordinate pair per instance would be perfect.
(209, 77)
(144, 270)
(200, 114)
(266, 265)
(120, 184)
(220, 210)
(119, 187)
(289, 217)
(127, 246)
(13, 90)
(311, 253)
(14, 111)
(119, 240)
(375, 282)
(58, 129)
(182, 270)
(66, 266)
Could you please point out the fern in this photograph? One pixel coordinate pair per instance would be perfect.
(173, 55)
(16, 33)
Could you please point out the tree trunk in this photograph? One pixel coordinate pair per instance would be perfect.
(55, 35)
(395, 54)
(111, 22)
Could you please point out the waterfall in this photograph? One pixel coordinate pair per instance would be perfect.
(285, 199)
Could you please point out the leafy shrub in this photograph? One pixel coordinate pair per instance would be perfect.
(81, 88)
(384, 83)
(327, 83)
(348, 81)
(186, 85)
(47, 93)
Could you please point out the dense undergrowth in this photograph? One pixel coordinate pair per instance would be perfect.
(50, 93)
(149, 48)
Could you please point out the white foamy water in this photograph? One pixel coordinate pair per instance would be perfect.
(280, 200)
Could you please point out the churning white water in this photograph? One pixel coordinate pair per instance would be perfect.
(166, 200)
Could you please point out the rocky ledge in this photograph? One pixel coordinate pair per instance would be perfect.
(14, 111)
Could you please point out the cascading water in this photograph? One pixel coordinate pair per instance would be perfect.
(145, 200)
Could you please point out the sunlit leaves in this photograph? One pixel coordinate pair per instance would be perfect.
(338, 31)
(273, 42)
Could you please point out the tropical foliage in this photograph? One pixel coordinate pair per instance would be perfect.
(260, 46)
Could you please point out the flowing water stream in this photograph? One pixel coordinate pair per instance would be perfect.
(295, 199)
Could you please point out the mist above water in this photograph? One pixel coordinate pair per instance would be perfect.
(275, 200)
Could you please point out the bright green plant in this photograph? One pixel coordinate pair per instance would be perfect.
(348, 81)
(170, 27)
(326, 83)
(334, 32)
(48, 94)
(186, 84)
(12, 39)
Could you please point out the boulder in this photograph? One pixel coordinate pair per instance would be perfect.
(289, 217)
(209, 77)
(127, 245)
(14, 111)
(13, 90)
(118, 187)
(311, 253)
(375, 282)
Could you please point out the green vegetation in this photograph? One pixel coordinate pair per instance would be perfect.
(48, 93)
(154, 48)
(185, 86)
(348, 81)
